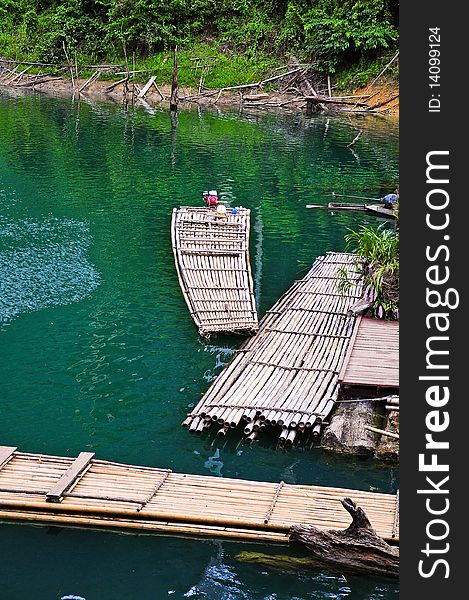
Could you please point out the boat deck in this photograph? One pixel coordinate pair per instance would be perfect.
(212, 263)
(84, 491)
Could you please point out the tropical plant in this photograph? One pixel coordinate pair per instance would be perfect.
(378, 253)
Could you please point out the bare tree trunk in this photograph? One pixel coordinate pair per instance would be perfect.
(173, 103)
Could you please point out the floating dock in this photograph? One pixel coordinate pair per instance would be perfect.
(212, 263)
(84, 491)
(373, 356)
(286, 376)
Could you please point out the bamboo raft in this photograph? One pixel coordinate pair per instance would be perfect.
(212, 263)
(373, 208)
(84, 491)
(286, 376)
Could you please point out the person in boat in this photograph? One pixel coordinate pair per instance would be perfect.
(210, 198)
(221, 211)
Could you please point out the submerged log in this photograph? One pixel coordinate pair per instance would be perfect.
(357, 548)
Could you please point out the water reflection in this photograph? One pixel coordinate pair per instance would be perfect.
(100, 351)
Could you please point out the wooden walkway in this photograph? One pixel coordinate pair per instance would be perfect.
(88, 492)
(287, 374)
(212, 262)
(373, 356)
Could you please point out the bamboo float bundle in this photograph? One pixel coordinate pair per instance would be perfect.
(118, 495)
(212, 263)
(287, 374)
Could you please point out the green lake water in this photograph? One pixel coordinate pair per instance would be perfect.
(97, 348)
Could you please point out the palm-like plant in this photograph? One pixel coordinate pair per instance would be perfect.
(378, 251)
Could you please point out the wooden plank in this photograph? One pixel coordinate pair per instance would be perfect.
(6, 452)
(373, 358)
(69, 477)
(146, 87)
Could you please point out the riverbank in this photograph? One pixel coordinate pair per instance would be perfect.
(376, 98)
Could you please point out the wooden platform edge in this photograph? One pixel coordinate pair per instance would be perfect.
(348, 354)
(70, 476)
(166, 528)
(182, 283)
(6, 453)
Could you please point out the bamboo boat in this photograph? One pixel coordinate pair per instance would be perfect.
(339, 206)
(378, 209)
(381, 210)
(85, 491)
(286, 376)
(212, 263)
(346, 206)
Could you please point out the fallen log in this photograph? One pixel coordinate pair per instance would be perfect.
(384, 102)
(256, 97)
(39, 81)
(88, 81)
(357, 548)
(147, 86)
(115, 84)
(332, 100)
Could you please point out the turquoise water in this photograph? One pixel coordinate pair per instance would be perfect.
(98, 351)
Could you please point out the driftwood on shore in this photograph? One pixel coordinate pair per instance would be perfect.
(357, 548)
(296, 86)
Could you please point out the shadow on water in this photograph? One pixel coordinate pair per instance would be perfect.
(98, 351)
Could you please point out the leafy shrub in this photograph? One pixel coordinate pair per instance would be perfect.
(378, 249)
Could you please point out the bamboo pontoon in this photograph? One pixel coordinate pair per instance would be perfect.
(212, 263)
(88, 492)
(287, 374)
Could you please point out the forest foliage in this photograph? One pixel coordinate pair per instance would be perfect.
(329, 33)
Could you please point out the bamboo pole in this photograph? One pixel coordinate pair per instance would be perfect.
(382, 432)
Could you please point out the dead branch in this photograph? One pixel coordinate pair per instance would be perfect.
(158, 90)
(116, 83)
(384, 102)
(355, 138)
(90, 80)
